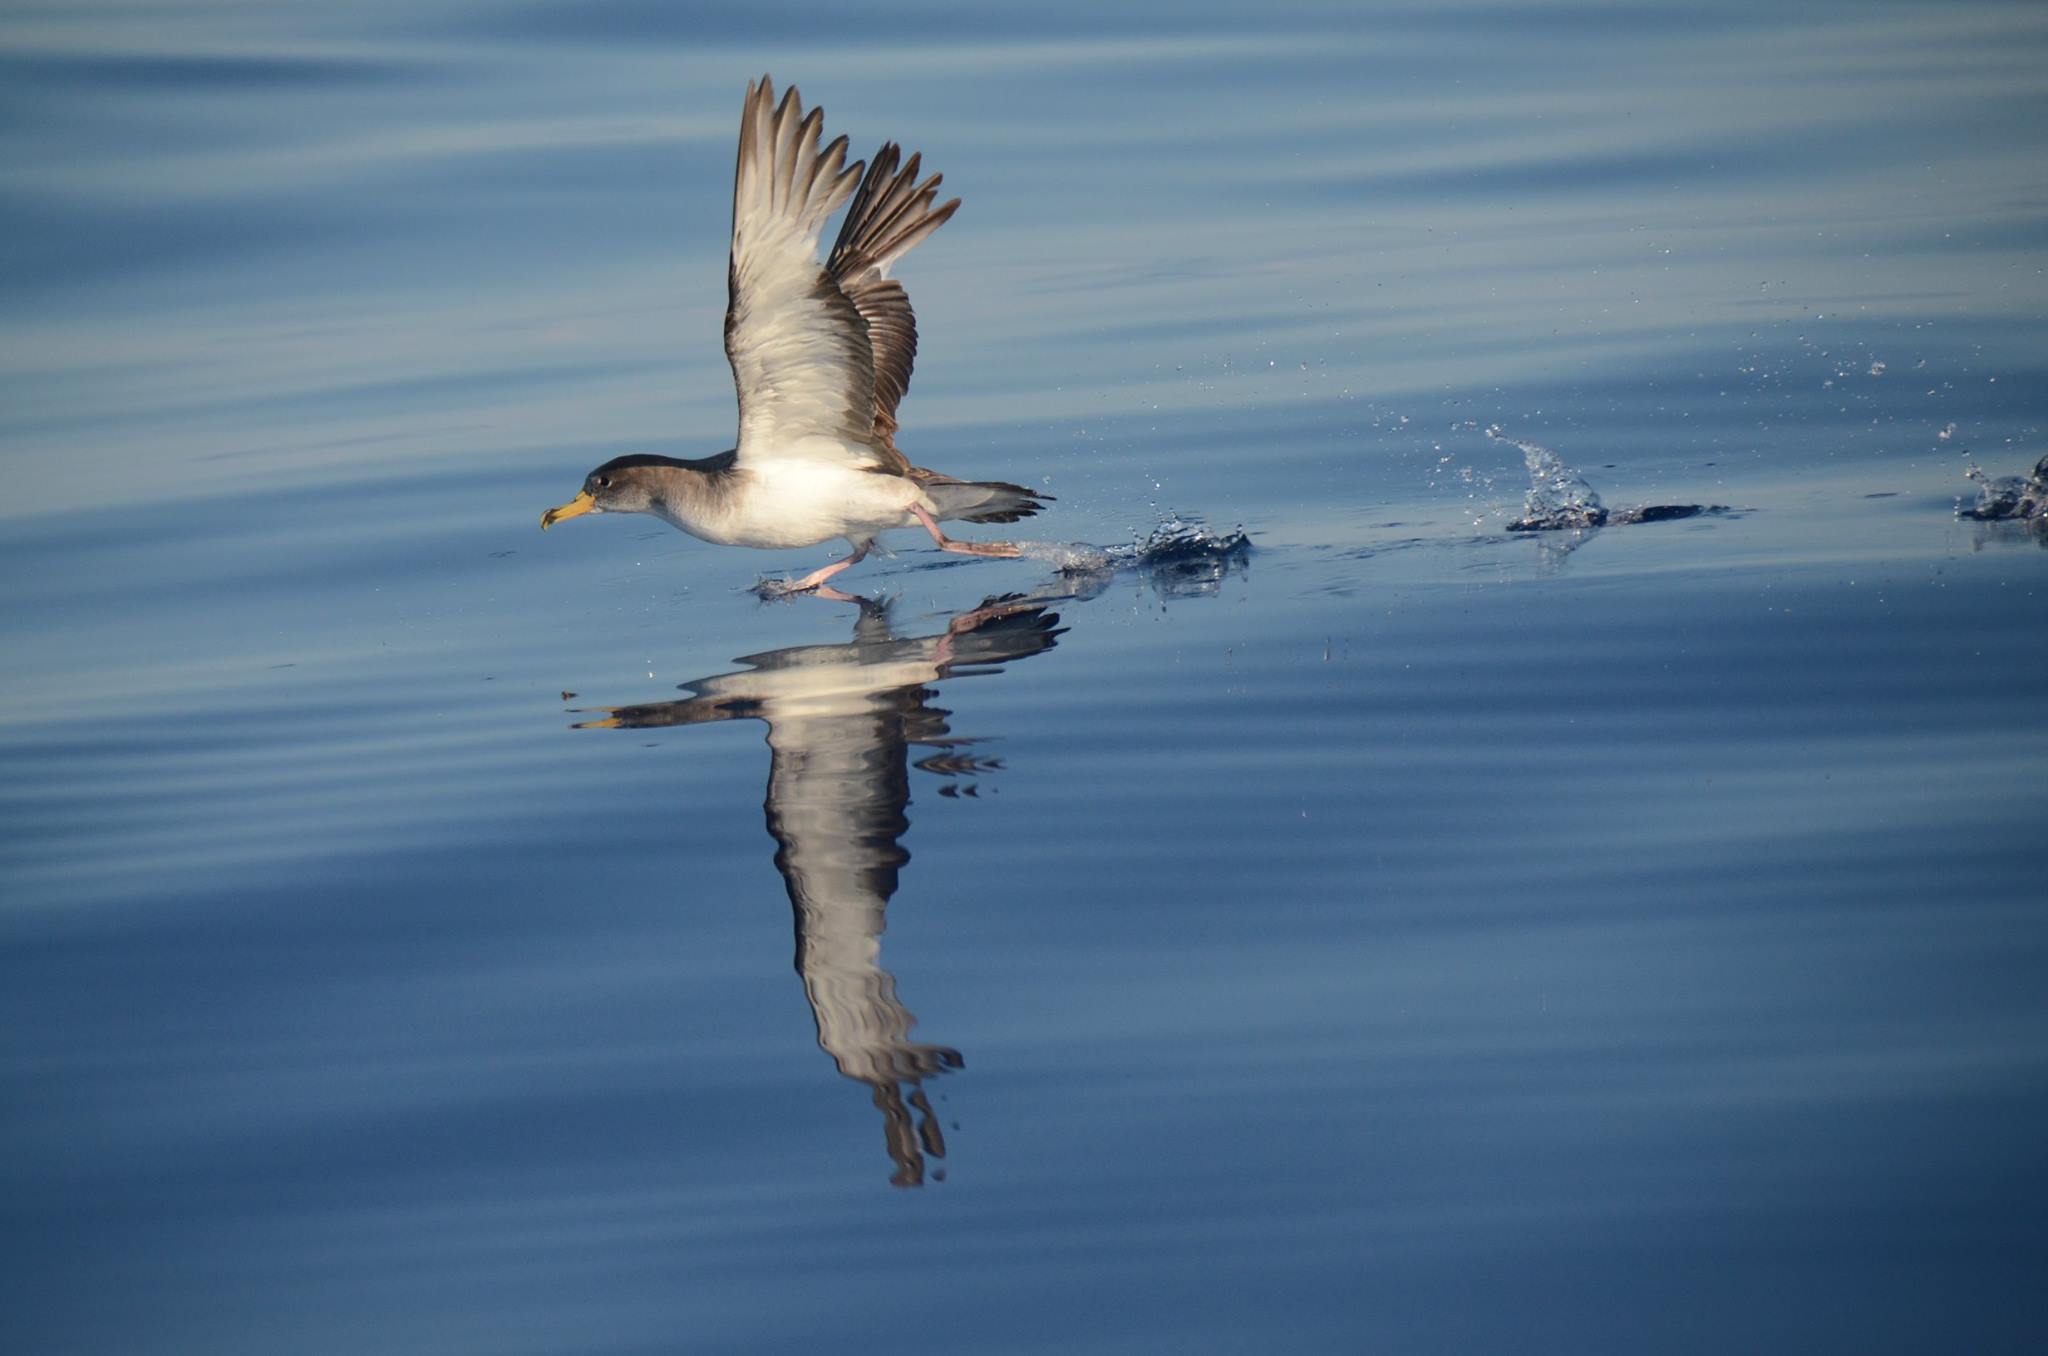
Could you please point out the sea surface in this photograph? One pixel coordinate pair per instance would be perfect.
(1388, 931)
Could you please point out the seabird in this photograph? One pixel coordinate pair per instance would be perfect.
(821, 355)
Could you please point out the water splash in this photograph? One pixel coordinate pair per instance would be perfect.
(1560, 500)
(1068, 557)
(1179, 557)
(1184, 558)
(2008, 499)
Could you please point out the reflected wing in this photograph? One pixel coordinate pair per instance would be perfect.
(891, 213)
(838, 784)
(799, 349)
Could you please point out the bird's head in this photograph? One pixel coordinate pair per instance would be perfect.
(621, 485)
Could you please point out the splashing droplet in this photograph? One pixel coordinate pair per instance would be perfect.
(1558, 497)
(2009, 498)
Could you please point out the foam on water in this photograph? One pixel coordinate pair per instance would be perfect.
(1068, 557)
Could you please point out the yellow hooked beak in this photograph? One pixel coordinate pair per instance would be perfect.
(575, 508)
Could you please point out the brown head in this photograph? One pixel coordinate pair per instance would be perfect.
(621, 485)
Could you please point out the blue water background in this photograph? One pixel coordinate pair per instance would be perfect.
(1413, 937)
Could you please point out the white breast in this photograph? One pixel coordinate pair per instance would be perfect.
(784, 502)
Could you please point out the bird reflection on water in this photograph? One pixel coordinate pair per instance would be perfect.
(841, 721)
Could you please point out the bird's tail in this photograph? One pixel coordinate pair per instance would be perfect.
(979, 501)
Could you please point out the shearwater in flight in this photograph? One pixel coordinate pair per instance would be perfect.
(821, 355)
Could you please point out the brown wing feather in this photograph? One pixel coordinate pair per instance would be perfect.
(891, 213)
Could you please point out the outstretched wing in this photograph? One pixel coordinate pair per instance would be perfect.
(799, 348)
(891, 213)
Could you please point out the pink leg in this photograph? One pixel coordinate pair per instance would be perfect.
(819, 576)
(1003, 549)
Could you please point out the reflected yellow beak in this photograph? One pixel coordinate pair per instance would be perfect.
(575, 508)
(611, 723)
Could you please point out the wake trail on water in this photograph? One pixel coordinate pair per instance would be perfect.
(1180, 555)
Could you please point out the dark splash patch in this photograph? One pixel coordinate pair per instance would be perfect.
(1181, 557)
(1186, 559)
(1664, 513)
(2009, 499)
(1576, 521)
(1559, 499)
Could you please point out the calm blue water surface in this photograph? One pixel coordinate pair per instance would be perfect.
(423, 936)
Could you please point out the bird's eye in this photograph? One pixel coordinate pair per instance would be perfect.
(604, 482)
